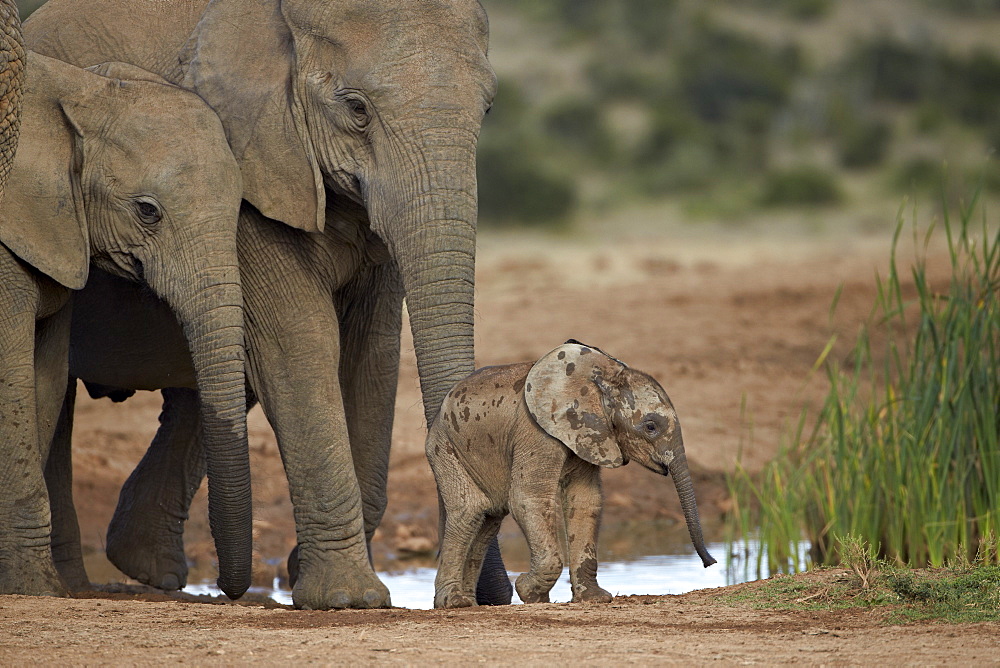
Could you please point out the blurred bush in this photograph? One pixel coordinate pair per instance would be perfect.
(920, 173)
(804, 185)
(515, 191)
(805, 10)
(516, 186)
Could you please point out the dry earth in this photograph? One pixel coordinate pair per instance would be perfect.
(731, 325)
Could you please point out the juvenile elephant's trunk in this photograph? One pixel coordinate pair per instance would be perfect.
(209, 307)
(685, 490)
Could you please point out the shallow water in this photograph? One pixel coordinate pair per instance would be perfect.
(650, 557)
(659, 574)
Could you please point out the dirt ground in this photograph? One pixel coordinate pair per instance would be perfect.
(730, 324)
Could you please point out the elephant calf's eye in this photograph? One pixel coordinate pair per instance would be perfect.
(148, 212)
(650, 427)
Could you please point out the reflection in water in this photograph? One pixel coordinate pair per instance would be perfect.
(650, 557)
(663, 574)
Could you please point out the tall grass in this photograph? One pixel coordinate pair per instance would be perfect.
(904, 453)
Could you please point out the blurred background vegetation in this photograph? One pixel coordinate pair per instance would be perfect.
(736, 109)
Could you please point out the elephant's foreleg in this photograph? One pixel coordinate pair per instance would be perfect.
(581, 499)
(66, 549)
(537, 512)
(293, 348)
(26, 565)
(370, 309)
(146, 535)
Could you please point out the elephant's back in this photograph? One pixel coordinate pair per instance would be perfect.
(88, 32)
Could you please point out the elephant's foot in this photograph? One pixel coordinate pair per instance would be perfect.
(531, 590)
(29, 572)
(454, 599)
(148, 551)
(591, 593)
(74, 575)
(334, 580)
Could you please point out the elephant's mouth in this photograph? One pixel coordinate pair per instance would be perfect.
(140, 271)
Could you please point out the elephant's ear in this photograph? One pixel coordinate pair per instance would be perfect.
(42, 218)
(564, 392)
(241, 60)
(119, 70)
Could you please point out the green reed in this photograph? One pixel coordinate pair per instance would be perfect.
(904, 452)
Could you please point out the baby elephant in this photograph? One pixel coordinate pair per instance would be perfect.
(530, 439)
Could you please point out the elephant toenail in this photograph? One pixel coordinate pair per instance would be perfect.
(340, 599)
(170, 582)
(373, 599)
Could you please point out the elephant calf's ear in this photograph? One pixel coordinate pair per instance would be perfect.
(564, 400)
(42, 219)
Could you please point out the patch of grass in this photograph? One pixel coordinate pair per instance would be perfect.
(957, 596)
(788, 592)
(905, 453)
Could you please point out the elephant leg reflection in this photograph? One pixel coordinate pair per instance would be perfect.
(66, 549)
(146, 535)
(581, 493)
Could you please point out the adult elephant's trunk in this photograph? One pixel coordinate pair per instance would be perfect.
(430, 229)
(209, 307)
(429, 226)
(685, 490)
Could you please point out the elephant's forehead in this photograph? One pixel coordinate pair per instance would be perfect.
(649, 397)
(392, 42)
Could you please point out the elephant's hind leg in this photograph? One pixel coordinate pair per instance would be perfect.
(370, 311)
(452, 586)
(146, 535)
(464, 508)
(474, 565)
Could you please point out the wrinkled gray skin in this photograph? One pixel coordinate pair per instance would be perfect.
(11, 86)
(530, 439)
(100, 178)
(355, 117)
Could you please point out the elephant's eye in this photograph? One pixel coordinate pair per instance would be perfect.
(651, 425)
(148, 212)
(359, 110)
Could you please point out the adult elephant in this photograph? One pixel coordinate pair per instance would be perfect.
(355, 118)
(11, 85)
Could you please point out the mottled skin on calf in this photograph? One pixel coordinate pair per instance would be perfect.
(529, 439)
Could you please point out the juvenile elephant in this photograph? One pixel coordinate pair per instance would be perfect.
(530, 439)
(100, 178)
(357, 119)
